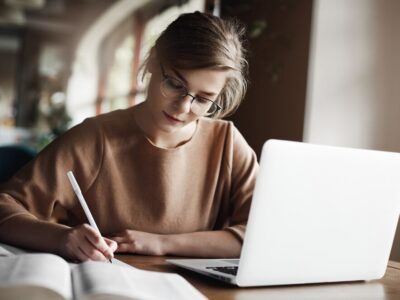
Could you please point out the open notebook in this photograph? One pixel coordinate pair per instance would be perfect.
(46, 276)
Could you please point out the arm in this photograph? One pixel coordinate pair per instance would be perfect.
(31, 233)
(220, 243)
(28, 200)
(81, 242)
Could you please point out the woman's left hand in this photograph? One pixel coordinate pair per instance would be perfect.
(139, 242)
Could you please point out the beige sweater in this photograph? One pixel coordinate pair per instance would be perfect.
(204, 184)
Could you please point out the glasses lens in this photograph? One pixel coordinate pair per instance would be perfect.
(172, 88)
(203, 107)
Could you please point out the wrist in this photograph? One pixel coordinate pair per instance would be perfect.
(62, 243)
(166, 244)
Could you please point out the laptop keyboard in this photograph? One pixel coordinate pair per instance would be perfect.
(232, 270)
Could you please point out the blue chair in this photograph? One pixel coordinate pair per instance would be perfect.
(12, 158)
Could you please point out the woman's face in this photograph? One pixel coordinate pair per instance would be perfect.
(170, 114)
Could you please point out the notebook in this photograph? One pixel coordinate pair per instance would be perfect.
(44, 276)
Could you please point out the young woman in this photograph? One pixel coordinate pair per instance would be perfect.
(165, 177)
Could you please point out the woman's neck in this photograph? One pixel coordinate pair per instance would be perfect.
(160, 138)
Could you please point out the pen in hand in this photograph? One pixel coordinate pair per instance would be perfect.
(82, 201)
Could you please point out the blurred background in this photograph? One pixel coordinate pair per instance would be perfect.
(320, 71)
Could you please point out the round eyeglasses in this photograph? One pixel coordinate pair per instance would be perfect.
(174, 89)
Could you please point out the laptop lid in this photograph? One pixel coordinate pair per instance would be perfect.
(320, 214)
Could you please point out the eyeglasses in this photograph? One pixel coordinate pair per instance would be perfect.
(174, 89)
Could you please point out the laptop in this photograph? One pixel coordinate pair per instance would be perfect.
(318, 214)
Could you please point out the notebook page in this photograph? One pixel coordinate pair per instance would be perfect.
(97, 278)
(44, 270)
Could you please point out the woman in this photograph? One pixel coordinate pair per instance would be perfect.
(165, 177)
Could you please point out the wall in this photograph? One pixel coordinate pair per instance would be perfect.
(353, 88)
(9, 47)
(278, 59)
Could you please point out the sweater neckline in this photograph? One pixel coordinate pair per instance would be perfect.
(188, 143)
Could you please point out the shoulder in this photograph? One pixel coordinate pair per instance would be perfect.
(116, 119)
(224, 134)
(90, 133)
(219, 128)
(109, 126)
(215, 128)
(95, 123)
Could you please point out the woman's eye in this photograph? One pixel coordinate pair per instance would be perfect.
(202, 100)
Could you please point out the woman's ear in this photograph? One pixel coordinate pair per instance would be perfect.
(152, 63)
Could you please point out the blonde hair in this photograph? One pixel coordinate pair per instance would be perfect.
(198, 40)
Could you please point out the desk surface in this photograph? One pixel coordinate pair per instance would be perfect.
(386, 288)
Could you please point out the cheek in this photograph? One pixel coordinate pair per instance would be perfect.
(154, 95)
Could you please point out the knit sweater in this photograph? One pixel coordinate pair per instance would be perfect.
(129, 183)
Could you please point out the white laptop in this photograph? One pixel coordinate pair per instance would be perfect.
(318, 214)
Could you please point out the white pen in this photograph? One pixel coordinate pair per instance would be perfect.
(82, 201)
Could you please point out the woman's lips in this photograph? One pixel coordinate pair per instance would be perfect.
(171, 118)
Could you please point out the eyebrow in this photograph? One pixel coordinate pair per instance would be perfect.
(181, 77)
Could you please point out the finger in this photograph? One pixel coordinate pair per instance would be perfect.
(87, 246)
(80, 254)
(123, 233)
(97, 240)
(120, 239)
(126, 247)
(91, 251)
(112, 244)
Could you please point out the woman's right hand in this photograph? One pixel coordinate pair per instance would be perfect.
(83, 243)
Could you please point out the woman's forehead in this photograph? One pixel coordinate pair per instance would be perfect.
(204, 80)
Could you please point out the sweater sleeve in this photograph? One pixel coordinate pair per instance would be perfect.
(244, 167)
(41, 188)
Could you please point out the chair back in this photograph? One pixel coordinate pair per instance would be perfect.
(12, 158)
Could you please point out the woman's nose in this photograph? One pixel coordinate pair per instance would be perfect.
(183, 105)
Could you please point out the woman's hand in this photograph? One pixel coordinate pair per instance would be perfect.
(139, 242)
(218, 243)
(85, 243)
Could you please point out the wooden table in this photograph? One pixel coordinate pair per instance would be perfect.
(386, 288)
